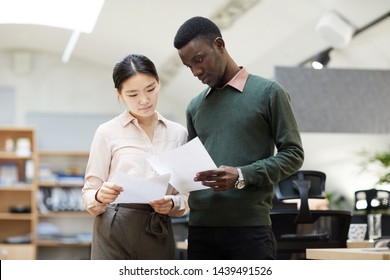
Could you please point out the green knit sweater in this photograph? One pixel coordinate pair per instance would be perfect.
(242, 129)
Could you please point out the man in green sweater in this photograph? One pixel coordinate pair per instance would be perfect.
(240, 118)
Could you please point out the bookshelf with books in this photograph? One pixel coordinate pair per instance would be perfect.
(64, 228)
(18, 184)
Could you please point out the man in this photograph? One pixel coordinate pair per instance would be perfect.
(239, 118)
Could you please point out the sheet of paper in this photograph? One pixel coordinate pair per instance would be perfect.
(183, 163)
(140, 190)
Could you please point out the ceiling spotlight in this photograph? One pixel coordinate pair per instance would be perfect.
(321, 60)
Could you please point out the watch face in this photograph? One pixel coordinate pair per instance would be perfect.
(240, 185)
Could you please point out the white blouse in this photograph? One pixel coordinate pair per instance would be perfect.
(122, 145)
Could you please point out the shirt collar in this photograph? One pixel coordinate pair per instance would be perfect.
(125, 118)
(238, 81)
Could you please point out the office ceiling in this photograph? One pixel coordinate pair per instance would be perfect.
(259, 34)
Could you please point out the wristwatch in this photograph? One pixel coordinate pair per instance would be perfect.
(240, 183)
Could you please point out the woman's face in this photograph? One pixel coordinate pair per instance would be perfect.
(140, 95)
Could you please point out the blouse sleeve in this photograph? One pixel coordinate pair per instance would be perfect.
(96, 173)
(180, 202)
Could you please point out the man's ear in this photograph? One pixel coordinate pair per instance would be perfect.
(219, 43)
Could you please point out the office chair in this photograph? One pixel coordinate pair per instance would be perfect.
(299, 229)
(369, 201)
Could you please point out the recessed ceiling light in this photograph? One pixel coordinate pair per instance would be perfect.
(78, 15)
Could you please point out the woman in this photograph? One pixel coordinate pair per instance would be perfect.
(132, 231)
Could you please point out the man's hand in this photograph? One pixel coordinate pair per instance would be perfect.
(220, 179)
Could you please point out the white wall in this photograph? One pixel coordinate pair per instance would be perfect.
(79, 87)
(51, 86)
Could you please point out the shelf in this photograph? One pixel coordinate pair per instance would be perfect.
(21, 188)
(63, 153)
(62, 178)
(14, 156)
(14, 244)
(16, 216)
(59, 185)
(17, 251)
(18, 192)
(65, 214)
(51, 243)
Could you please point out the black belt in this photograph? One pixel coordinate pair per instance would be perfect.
(136, 206)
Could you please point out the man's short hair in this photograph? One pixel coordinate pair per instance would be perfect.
(196, 27)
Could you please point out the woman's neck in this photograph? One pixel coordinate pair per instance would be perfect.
(148, 124)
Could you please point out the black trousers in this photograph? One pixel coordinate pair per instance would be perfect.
(231, 243)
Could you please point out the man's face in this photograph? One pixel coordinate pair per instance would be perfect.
(205, 60)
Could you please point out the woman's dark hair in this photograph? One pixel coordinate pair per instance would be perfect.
(196, 27)
(130, 66)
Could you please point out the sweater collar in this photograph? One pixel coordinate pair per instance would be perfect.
(238, 81)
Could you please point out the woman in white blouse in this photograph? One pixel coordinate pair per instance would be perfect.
(129, 230)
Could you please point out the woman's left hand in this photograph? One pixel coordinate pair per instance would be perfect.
(163, 205)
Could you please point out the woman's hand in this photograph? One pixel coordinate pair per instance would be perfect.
(108, 193)
(163, 205)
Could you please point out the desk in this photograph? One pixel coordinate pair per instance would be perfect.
(348, 254)
(360, 244)
(181, 245)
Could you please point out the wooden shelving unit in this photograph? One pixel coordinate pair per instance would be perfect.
(18, 185)
(60, 206)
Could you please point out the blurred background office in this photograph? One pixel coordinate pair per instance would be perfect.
(59, 74)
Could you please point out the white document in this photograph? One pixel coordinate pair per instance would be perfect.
(183, 163)
(140, 190)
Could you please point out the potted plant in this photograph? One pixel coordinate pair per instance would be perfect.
(382, 161)
(377, 200)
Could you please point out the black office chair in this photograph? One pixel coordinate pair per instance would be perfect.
(296, 230)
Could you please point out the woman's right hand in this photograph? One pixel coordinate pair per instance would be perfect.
(108, 193)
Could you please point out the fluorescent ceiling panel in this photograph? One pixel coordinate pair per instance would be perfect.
(78, 15)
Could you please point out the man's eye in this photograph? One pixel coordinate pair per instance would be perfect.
(152, 89)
